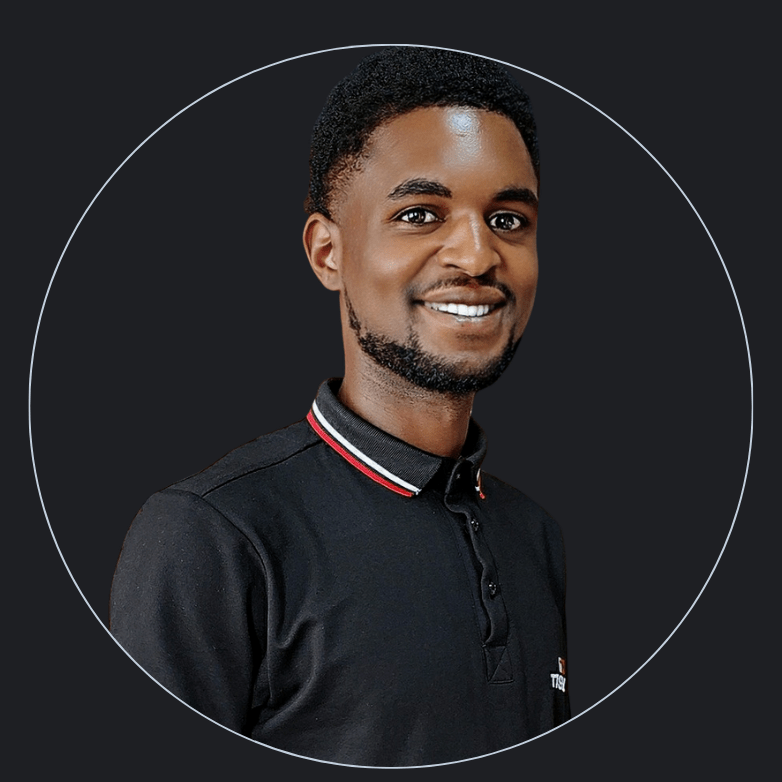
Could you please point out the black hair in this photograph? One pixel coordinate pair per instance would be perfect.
(395, 81)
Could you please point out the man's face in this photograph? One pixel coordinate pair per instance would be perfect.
(437, 247)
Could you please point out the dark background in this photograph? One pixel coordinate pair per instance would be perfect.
(177, 325)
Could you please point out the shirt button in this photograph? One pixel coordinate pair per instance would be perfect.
(475, 524)
(493, 589)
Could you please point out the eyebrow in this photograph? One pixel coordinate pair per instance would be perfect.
(521, 194)
(419, 186)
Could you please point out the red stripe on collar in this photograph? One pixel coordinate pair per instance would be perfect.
(329, 440)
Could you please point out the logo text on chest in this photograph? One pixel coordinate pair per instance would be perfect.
(558, 680)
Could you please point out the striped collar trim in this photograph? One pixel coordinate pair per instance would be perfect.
(358, 458)
(393, 463)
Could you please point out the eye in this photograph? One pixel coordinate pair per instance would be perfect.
(417, 215)
(507, 221)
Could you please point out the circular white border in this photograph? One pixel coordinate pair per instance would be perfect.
(509, 65)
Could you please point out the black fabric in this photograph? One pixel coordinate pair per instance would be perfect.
(289, 596)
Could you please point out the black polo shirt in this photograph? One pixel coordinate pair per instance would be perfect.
(334, 592)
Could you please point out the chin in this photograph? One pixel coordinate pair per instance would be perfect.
(432, 372)
(427, 370)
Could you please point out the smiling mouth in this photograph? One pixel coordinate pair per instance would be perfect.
(462, 311)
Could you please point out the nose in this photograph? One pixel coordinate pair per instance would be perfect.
(469, 246)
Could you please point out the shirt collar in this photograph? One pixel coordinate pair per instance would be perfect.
(393, 463)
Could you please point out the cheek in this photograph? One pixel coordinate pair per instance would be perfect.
(377, 267)
(531, 285)
(525, 273)
(377, 289)
(525, 287)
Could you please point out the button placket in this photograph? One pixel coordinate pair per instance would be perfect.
(461, 501)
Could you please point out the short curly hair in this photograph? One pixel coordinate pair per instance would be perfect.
(392, 82)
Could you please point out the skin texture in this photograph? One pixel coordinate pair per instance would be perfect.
(442, 209)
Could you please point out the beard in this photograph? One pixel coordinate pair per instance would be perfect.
(426, 370)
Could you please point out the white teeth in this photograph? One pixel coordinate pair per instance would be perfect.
(462, 310)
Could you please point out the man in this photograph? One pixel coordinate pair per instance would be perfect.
(353, 588)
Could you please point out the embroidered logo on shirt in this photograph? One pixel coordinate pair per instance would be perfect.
(479, 486)
(558, 680)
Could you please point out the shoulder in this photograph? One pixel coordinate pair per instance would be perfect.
(226, 504)
(534, 521)
(259, 455)
(539, 533)
(517, 502)
(185, 521)
(195, 510)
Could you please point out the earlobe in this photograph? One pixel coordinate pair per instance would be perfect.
(322, 245)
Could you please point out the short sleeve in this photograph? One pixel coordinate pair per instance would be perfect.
(188, 603)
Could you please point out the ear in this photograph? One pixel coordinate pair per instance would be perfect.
(322, 245)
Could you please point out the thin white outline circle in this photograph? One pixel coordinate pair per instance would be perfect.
(509, 65)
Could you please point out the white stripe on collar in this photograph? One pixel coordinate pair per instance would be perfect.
(355, 451)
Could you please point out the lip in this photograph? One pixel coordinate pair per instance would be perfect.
(490, 296)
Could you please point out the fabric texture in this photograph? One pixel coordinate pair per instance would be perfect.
(334, 592)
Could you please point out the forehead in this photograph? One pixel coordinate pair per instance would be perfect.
(459, 144)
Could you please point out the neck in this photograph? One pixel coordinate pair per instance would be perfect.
(432, 421)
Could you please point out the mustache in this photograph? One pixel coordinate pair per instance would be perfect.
(464, 281)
